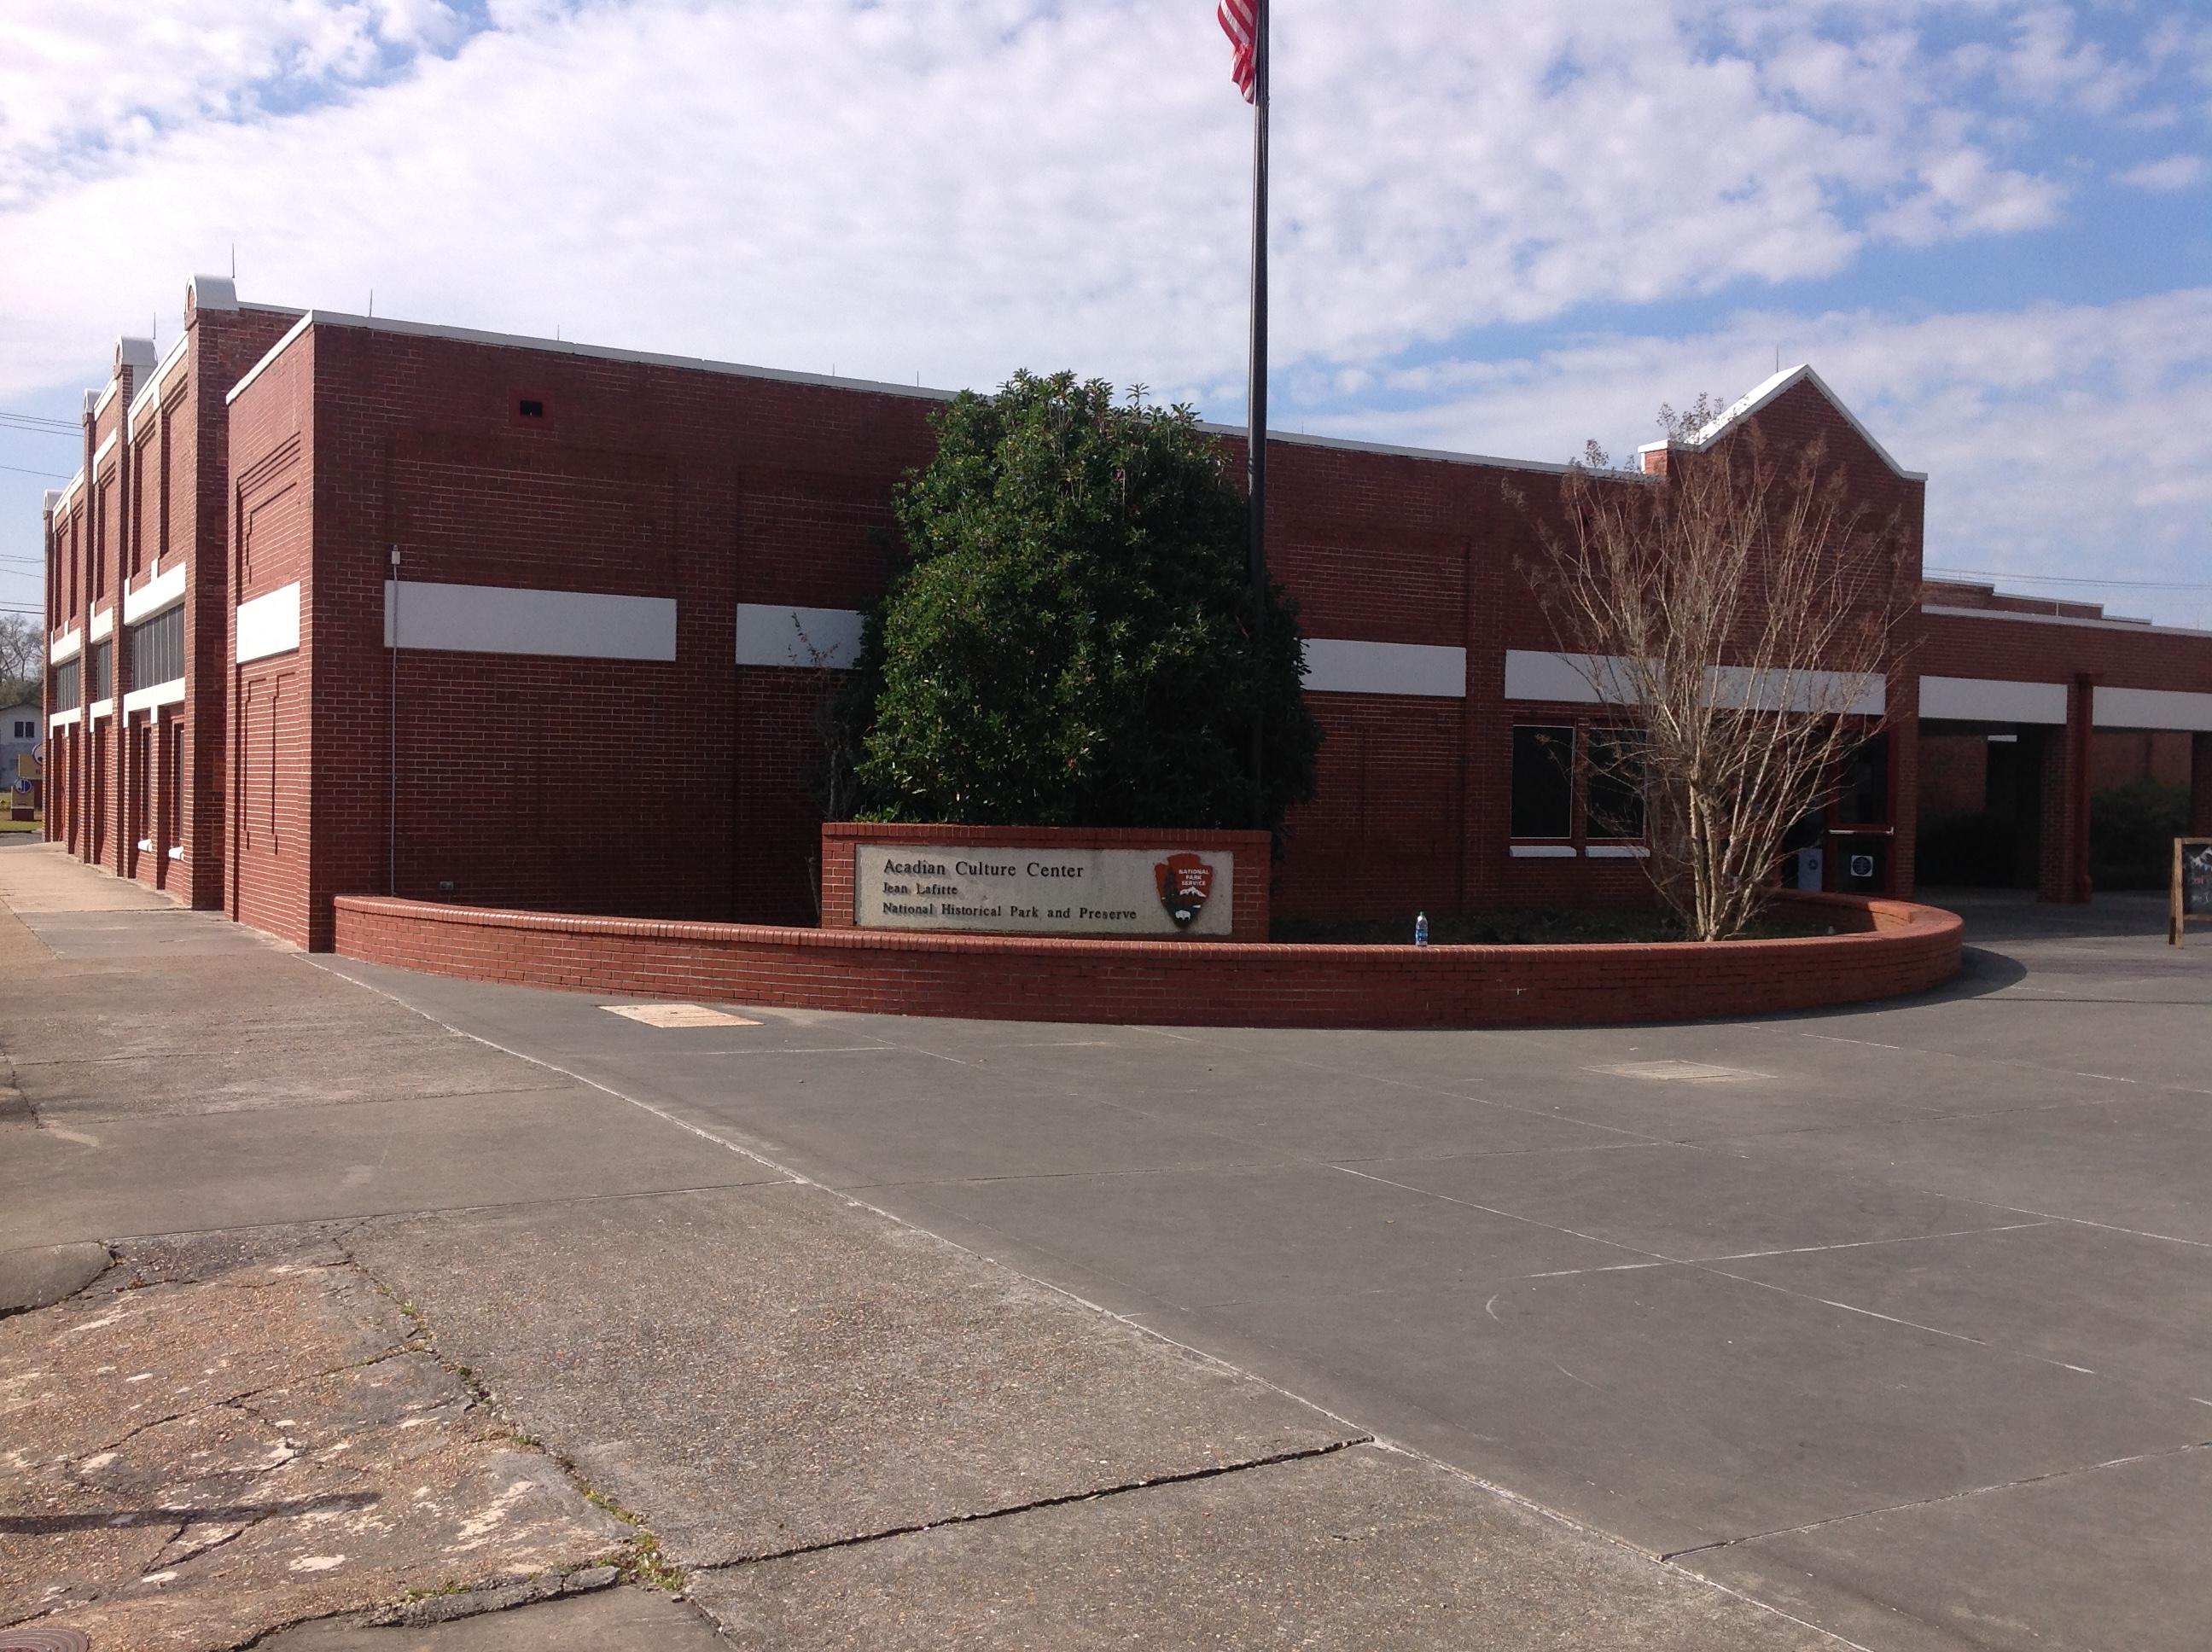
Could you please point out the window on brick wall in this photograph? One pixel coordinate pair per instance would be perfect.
(102, 657)
(1862, 797)
(175, 729)
(1543, 782)
(157, 648)
(66, 686)
(1612, 801)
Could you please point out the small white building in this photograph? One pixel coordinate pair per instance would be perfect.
(23, 732)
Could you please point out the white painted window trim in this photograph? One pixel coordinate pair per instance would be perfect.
(158, 694)
(268, 624)
(1543, 851)
(159, 592)
(2173, 710)
(1534, 676)
(1617, 852)
(1991, 700)
(176, 852)
(497, 619)
(103, 623)
(66, 646)
(1409, 670)
(68, 719)
(100, 708)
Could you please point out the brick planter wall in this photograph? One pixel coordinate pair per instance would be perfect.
(1249, 912)
(1883, 949)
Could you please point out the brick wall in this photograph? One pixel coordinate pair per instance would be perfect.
(1893, 948)
(270, 748)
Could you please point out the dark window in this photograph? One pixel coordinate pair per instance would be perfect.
(176, 783)
(65, 685)
(1864, 796)
(1614, 801)
(531, 408)
(103, 669)
(1543, 782)
(157, 648)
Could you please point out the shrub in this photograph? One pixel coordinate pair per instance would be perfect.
(1070, 640)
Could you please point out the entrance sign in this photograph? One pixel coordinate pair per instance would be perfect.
(2191, 901)
(1168, 891)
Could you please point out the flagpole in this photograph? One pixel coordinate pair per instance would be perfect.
(1256, 450)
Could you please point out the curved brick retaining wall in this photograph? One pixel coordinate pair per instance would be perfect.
(1884, 948)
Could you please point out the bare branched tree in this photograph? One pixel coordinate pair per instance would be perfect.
(22, 658)
(1740, 615)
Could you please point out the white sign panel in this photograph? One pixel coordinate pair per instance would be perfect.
(1011, 891)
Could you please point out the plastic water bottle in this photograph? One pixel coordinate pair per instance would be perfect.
(1421, 929)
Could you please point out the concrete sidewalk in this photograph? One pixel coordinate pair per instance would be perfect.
(326, 1308)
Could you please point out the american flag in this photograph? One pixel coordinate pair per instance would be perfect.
(1240, 23)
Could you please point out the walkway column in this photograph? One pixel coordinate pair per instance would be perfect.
(2200, 778)
(2064, 872)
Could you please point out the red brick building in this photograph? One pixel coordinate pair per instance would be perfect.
(406, 609)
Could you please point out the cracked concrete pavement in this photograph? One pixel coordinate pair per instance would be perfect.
(395, 1296)
(189, 1461)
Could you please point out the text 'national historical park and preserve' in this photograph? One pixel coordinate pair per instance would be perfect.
(1165, 891)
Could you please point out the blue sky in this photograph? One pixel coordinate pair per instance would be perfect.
(1499, 229)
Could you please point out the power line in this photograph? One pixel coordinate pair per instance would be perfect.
(2067, 579)
(21, 470)
(30, 422)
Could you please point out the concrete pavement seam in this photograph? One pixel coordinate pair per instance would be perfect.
(1219, 1471)
(1368, 1436)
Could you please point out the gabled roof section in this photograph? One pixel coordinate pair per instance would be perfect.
(1788, 379)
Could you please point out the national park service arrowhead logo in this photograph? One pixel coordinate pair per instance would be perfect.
(1184, 883)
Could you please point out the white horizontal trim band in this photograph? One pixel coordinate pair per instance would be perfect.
(1542, 851)
(1578, 679)
(495, 619)
(1336, 666)
(100, 708)
(103, 623)
(65, 647)
(817, 638)
(151, 597)
(1617, 852)
(65, 718)
(773, 633)
(1991, 700)
(160, 693)
(2159, 708)
(270, 623)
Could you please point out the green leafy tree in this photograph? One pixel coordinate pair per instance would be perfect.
(1071, 640)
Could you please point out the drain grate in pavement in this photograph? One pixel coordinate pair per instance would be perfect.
(1680, 1072)
(678, 1015)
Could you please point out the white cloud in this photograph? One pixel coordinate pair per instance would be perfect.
(954, 188)
(2176, 172)
(2059, 440)
(958, 186)
(86, 83)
